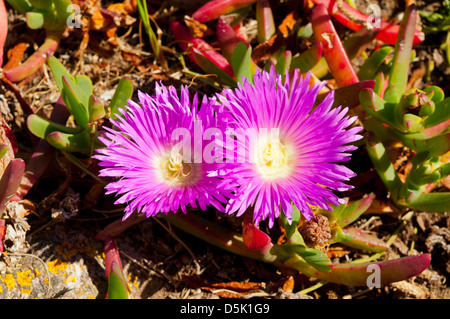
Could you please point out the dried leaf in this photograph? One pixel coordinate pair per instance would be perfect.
(233, 289)
(288, 286)
(288, 23)
(336, 252)
(198, 29)
(15, 55)
(20, 209)
(5, 140)
(266, 49)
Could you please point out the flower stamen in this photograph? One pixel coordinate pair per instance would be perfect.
(175, 170)
(273, 159)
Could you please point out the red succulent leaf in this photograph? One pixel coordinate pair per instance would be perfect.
(254, 238)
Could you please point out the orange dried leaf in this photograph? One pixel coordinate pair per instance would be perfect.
(288, 286)
(288, 24)
(98, 21)
(337, 252)
(15, 55)
(238, 286)
(198, 29)
(233, 289)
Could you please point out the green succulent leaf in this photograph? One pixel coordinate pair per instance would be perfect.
(58, 71)
(436, 146)
(3, 150)
(21, 6)
(338, 235)
(380, 109)
(353, 211)
(41, 127)
(41, 4)
(379, 79)
(398, 76)
(357, 274)
(241, 62)
(427, 202)
(306, 60)
(209, 67)
(72, 99)
(291, 228)
(371, 66)
(123, 93)
(10, 180)
(80, 142)
(35, 20)
(413, 123)
(435, 93)
(334, 214)
(441, 113)
(314, 257)
(117, 287)
(84, 84)
(382, 164)
(62, 11)
(96, 109)
(283, 62)
(363, 240)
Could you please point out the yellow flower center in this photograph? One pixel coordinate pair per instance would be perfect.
(274, 155)
(175, 170)
(273, 159)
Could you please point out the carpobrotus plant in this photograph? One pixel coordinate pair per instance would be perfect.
(283, 156)
(291, 157)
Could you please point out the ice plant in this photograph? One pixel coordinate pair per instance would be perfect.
(294, 149)
(9, 183)
(117, 284)
(333, 49)
(77, 95)
(294, 252)
(51, 15)
(214, 9)
(156, 172)
(203, 54)
(417, 119)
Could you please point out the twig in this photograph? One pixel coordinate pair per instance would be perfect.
(391, 239)
(27, 109)
(172, 233)
(312, 288)
(158, 273)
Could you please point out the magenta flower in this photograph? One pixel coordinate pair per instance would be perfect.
(288, 151)
(157, 158)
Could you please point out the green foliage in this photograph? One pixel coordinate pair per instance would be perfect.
(419, 119)
(49, 14)
(77, 94)
(241, 62)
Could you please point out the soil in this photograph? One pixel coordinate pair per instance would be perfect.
(52, 250)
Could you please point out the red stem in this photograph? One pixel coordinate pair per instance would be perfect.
(35, 61)
(188, 43)
(42, 155)
(333, 49)
(388, 32)
(214, 9)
